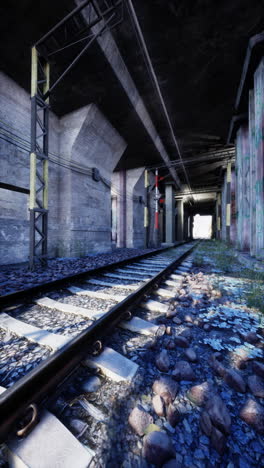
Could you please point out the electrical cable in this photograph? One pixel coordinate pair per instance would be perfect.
(55, 159)
(134, 18)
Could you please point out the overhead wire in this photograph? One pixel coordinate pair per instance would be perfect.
(134, 19)
(24, 145)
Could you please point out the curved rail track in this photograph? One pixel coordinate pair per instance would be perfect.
(56, 327)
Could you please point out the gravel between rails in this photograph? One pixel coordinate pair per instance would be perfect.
(16, 277)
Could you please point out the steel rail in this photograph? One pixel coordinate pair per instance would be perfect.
(11, 298)
(36, 387)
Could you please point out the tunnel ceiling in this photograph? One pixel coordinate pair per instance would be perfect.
(197, 49)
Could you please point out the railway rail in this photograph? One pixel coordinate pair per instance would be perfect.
(64, 322)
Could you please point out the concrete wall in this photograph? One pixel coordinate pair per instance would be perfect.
(79, 207)
(14, 169)
(249, 184)
(259, 155)
(87, 138)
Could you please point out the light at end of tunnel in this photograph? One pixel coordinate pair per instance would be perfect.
(202, 227)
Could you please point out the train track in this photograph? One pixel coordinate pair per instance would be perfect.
(57, 326)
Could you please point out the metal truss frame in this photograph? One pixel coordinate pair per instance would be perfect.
(72, 29)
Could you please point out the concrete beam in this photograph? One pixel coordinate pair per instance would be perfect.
(115, 59)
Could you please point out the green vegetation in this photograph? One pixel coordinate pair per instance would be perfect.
(198, 259)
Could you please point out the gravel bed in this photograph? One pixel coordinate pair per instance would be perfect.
(114, 281)
(18, 356)
(53, 320)
(16, 277)
(112, 291)
(207, 325)
(88, 302)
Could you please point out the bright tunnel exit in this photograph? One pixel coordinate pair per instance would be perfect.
(202, 227)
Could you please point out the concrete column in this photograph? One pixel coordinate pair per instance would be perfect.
(223, 210)
(233, 227)
(169, 214)
(146, 210)
(252, 150)
(218, 216)
(242, 188)
(259, 148)
(228, 201)
(114, 219)
(185, 225)
(191, 227)
(180, 213)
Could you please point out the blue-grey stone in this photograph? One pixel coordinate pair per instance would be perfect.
(198, 453)
(204, 440)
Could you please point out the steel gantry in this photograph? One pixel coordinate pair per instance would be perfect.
(71, 30)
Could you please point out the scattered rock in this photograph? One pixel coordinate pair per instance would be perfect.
(139, 420)
(188, 318)
(173, 415)
(256, 386)
(253, 414)
(191, 355)
(158, 448)
(199, 394)
(251, 337)
(163, 361)
(258, 368)
(177, 320)
(78, 427)
(217, 366)
(218, 441)
(219, 414)
(234, 380)
(207, 327)
(205, 423)
(186, 333)
(170, 344)
(183, 371)
(168, 331)
(158, 405)
(181, 341)
(171, 312)
(91, 385)
(172, 464)
(168, 427)
(167, 388)
(152, 428)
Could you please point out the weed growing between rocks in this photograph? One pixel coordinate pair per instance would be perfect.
(255, 296)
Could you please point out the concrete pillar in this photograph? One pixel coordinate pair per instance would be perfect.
(191, 227)
(233, 227)
(228, 201)
(169, 214)
(223, 210)
(123, 209)
(243, 188)
(180, 213)
(252, 150)
(259, 148)
(218, 216)
(185, 225)
(114, 219)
